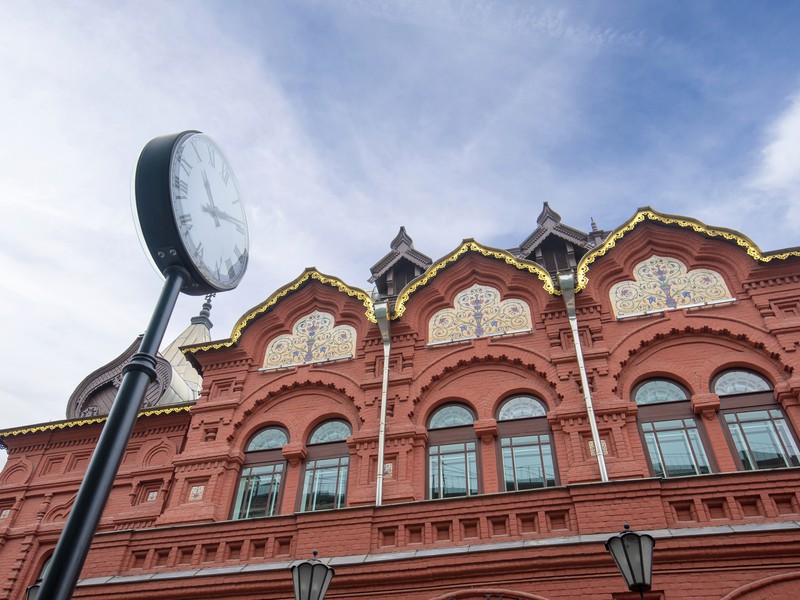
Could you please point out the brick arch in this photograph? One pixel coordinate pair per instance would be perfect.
(711, 245)
(776, 586)
(488, 594)
(439, 292)
(465, 257)
(17, 473)
(285, 392)
(314, 297)
(158, 454)
(653, 338)
(456, 365)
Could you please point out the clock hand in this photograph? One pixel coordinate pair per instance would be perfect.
(214, 210)
(223, 215)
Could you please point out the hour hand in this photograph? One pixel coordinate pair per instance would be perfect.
(211, 208)
(213, 211)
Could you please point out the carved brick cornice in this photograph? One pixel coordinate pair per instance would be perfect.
(764, 282)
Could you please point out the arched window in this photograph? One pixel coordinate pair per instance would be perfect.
(754, 422)
(526, 452)
(32, 593)
(672, 437)
(452, 458)
(325, 481)
(260, 482)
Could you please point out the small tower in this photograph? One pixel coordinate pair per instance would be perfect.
(556, 246)
(393, 272)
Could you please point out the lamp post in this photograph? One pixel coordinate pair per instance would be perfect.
(633, 553)
(311, 579)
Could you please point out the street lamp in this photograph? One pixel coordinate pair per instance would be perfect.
(311, 579)
(633, 553)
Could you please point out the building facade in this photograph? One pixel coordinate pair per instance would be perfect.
(509, 454)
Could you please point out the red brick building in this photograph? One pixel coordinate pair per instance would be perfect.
(492, 486)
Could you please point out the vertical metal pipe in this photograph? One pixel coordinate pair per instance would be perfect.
(382, 315)
(76, 538)
(567, 285)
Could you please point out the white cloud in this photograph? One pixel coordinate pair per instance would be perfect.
(780, 158)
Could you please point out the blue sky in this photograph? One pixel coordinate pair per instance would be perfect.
(345, 119)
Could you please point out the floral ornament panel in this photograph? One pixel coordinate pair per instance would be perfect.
(479, 312)
(314, 338)
(663, 283)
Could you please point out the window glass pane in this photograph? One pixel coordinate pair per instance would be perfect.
(451, 415)
(655, 454)
(675, 448)
(267, 439)
(659, 390)
(521, 407)
(331, 431)
(699, 453)
(258, 491)
(788, 442)
(762, 439)
(547, 460)
(741, 446)
(527, 462)
(676, 453)
(453, 470)
(325, 484)
(740, 382)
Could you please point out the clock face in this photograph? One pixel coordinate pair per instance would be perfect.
(208, 210)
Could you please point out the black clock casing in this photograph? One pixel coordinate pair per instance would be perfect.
(190, 211)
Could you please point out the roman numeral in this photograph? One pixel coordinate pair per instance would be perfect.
(212, 157)
(183, 188)
(198, 253)
(224, 173)
(185, 219)
(186, 166)
(194, 147)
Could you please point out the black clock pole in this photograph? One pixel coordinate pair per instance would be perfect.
(73, 545)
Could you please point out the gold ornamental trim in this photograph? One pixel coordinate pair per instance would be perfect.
(648, 214)
(84, 422)
(259, 309)
(470, 246)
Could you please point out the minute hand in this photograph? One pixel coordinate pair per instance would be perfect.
(223, 215)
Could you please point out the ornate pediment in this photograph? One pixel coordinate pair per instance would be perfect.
(314, 338)
(478, 311)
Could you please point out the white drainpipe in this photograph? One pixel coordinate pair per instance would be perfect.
(382, 315)
(567, 285)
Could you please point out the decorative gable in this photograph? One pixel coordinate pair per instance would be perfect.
(314, 338)
(663, 283)
(479, 312)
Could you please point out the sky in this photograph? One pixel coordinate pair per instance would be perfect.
(345, 119)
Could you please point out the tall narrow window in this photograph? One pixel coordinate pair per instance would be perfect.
(671, 435)
(260, 482)
(452, 458)
(526, 451)
(754, 421)
(325, 481)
